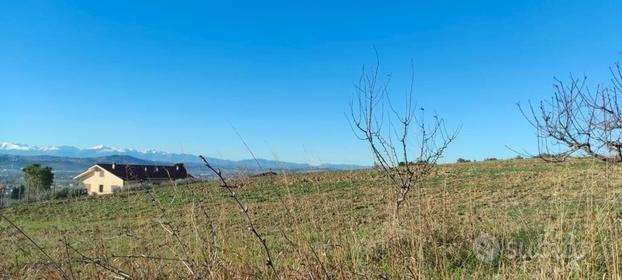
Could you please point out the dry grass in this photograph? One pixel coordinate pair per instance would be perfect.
(548, 221)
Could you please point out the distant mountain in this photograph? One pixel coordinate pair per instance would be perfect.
(96, 151)
(72, 159)
(65, 168)
(65, 164)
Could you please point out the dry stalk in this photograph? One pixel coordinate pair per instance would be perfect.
(115, 271)
(168, 227)
(68, 254)
(244, 209)
(55, 264)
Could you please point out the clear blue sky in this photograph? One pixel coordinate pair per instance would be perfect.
(177, 75)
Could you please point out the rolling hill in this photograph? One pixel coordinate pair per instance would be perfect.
(68, 161)
(515, 219)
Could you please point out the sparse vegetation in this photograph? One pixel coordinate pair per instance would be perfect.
(106, 106)
(68, 192)
(335, 225)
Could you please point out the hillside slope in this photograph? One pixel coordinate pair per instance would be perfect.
(338, 225)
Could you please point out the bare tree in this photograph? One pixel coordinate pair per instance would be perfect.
(579, 120)
(405, 145)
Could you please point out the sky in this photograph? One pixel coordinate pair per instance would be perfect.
(189, 76)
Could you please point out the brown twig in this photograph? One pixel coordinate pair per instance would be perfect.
(114, 270)
(56, 265)
(580, 120)
(146, 257)
(404, 164)
(170, 229)
(244, 209)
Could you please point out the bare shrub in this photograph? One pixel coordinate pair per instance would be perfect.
(580, 120)
(404, 144)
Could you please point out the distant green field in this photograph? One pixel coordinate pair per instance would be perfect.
(539, 220)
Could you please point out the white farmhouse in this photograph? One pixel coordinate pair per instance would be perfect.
(103, 178)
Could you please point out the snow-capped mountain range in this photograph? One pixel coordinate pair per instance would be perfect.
(155, 156)
(96, 151)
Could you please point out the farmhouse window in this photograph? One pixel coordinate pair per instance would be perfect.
(101, 188)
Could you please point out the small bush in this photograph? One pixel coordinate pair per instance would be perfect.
(133, 188)
(77, 192)
(18, 192)
(41, 196)
(461, 160)
(544, 155)
(119, 190)
(490, 159)
(62, 193)
(68, 192)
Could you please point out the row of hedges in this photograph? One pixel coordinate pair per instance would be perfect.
(19, 193)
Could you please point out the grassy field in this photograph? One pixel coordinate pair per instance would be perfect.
(512, 219)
